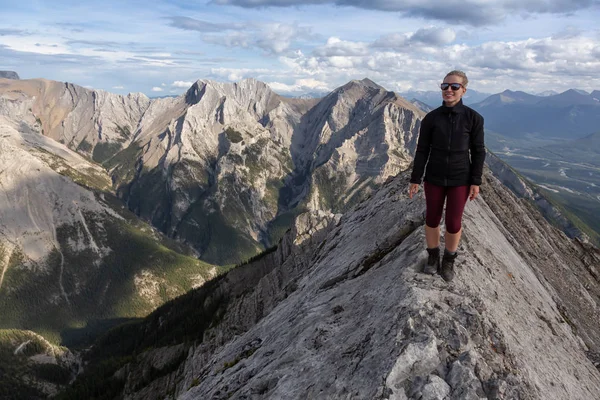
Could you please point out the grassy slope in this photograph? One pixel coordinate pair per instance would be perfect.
(183, 320)
(17, 371)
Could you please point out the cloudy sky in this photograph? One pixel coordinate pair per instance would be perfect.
(160, 47)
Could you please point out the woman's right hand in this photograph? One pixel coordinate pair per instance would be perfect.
(413, 189)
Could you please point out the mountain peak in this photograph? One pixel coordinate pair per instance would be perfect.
(508, 97)
(519, 93)
(366, 82)
(571, 97)
(422, 106)
(370, 83)
(547, 93)
(9, 75)
(584, 92)
(136, 95)
(574, 92)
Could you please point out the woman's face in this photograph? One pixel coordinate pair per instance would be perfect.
(450, 96)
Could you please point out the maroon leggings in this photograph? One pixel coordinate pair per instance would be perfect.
(455, 205)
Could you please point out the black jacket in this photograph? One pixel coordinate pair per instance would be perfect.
(451, 144)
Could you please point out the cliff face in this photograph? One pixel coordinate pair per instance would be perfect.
(347, 314)
(349, 143)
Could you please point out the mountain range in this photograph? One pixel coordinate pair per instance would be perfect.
(568, 115)
(585, 150)
(225, 166)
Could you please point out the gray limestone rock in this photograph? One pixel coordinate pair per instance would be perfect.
(435, 389)
(463, 381)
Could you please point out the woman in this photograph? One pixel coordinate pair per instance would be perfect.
(451, 146)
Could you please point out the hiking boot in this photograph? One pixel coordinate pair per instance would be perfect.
(433, 261)
(447, 269)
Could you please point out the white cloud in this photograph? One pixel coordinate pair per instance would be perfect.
(492, 66)
(37, 44)
(12, 32)
(434, 36)
(341, 61)
(157, 89)
(277, 38)
(300, 86)
(273, 38)
(392, 41)
(337, 47)
(118, 87)
(192, 24)
(430, 36)
(237, 74)
(570, 55)
(232, 39)
(182, 84)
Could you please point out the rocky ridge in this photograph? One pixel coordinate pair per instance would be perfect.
(84, 120)
(347, 313)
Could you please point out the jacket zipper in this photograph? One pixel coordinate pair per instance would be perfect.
(449, 144)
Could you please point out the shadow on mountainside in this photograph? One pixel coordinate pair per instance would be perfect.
(81, 338)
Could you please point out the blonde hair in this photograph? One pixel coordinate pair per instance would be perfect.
(462, 75)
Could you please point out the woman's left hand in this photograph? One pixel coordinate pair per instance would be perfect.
(473, 192)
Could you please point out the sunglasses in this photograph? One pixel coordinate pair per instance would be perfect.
(453, 86)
